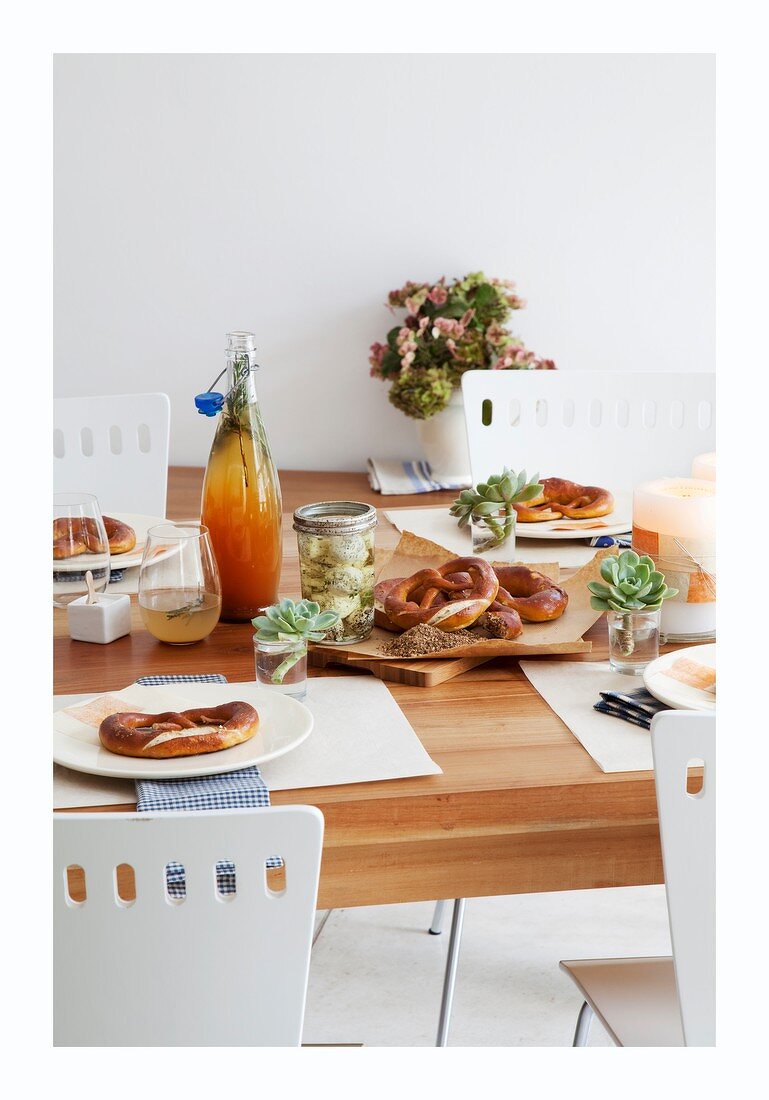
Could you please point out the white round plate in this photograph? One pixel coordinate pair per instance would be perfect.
(673, 692)
(617, 522)
(284, 723)
(140, 524)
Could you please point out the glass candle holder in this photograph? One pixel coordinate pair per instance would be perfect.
(634, 640)
(493, 536)
(281, 667)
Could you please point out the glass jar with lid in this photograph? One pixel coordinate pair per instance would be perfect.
(336, 563)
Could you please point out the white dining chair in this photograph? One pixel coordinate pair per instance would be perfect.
(668, 1001)
(609, 428)
(115, 447)
(210, 969)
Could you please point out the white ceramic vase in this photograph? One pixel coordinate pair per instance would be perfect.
(444, 442)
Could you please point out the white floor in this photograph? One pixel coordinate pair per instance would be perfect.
(376, 974)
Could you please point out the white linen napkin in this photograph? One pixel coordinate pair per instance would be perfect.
(435, 523)
(571, 688)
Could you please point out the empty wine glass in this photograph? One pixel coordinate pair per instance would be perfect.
(80, 544)
(180, 595)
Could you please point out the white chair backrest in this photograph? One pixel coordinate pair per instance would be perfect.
(115, 447)
(592, 427)
(208, 970)
(688, 829)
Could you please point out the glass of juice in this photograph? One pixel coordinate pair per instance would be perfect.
(180, 595)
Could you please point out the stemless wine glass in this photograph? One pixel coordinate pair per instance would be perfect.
(180, 595)
(79, 544)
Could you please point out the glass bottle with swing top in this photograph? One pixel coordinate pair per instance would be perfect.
(241, 505)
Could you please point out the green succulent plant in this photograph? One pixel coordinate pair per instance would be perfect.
(296, 624)
(498, 494)
(633, 585)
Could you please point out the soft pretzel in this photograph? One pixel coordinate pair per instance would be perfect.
(77, 535)
(522, 594)
(533, 595)
(561, 498)
(433, 585)
(383, 588)
(188, 733)
(501, 622)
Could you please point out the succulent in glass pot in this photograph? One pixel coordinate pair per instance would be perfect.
(294, 624)
(492, 503)
(633, 585)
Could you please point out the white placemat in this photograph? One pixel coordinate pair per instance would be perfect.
(361, 735)
(570, 688)
(437, 525)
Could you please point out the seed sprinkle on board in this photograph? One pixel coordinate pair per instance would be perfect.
(423, 639)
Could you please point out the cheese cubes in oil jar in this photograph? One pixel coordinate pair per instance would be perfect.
(336, 563)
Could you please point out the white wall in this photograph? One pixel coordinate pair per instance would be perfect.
(288, 194)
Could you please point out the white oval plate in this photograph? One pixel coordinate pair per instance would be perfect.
(675, 694)
(284, 723)
(140, 524)
(618, 522)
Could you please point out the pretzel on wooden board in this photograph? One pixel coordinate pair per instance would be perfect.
(463, 605)
(561, 498)
(523, 594)
(186, 733)
(534, 596)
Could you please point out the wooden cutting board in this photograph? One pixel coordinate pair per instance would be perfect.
(415, 673)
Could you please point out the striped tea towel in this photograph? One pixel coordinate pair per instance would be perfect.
(230, 790)
(392, 477)
(638, 707)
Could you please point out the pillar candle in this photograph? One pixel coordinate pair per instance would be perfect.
(674, 522)
(704, 467)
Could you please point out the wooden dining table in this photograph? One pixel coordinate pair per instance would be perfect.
(520, 807)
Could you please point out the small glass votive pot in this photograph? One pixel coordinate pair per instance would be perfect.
(281, 667)
(634, 640)
(493, 536)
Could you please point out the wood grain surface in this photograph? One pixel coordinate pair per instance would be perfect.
(521, 807)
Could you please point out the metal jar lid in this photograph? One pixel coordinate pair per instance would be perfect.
(335, 517)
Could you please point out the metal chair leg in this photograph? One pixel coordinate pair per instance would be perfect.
(450, 978)
(584, 1020)
(436, 926)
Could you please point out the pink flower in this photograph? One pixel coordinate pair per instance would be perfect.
(496, 335)
(375, 359)
(438, 295)
(415, 301)
(447, 326)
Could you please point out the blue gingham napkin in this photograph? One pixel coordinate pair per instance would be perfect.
(392, 477)
(623, 541)
(230, 790)
(638, 707)
(115, 575)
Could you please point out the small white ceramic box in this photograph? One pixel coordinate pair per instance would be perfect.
(104, 621)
